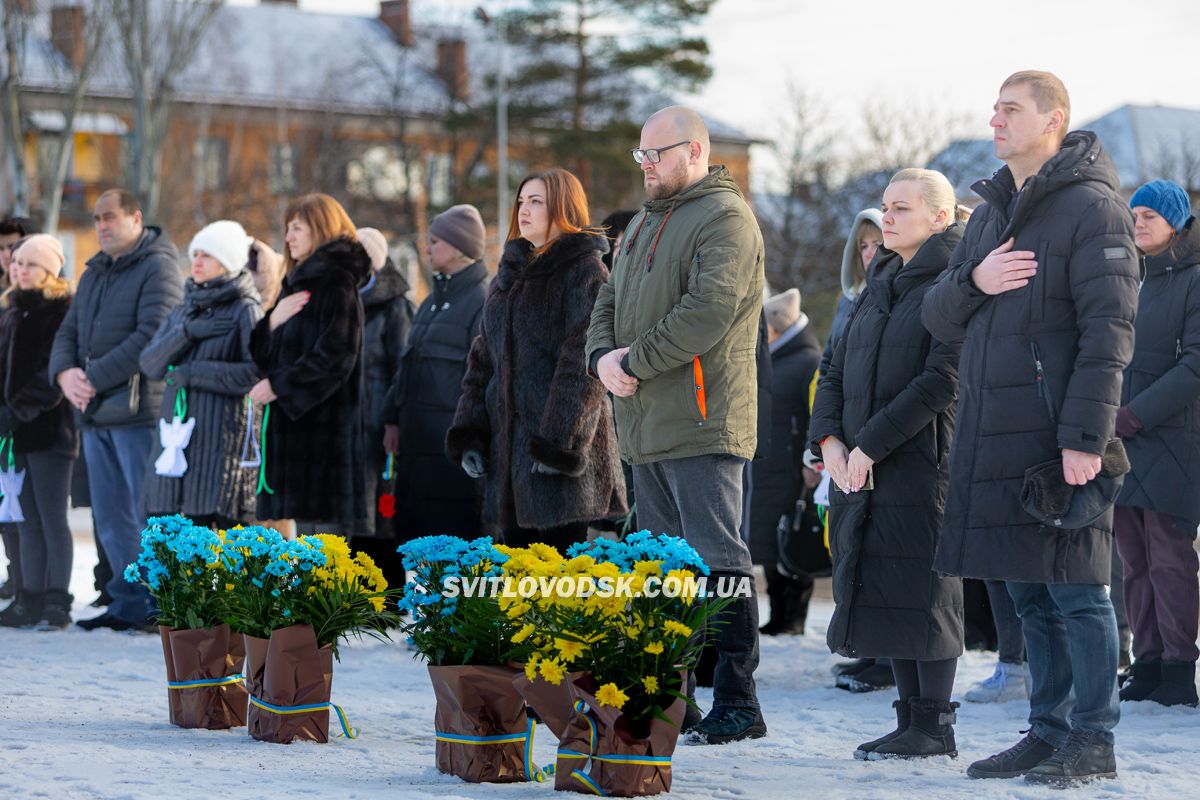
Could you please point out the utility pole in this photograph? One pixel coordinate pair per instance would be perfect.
(497, 23)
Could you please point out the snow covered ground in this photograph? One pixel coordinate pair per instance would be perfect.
(84, 715)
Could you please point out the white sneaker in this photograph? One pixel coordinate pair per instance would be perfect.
(1008, 682)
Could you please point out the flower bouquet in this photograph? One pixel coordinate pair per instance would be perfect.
(612, 642)
(294, 601)
(180, 564)
(482, 731)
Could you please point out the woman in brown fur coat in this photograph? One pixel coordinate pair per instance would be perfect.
(531, 419)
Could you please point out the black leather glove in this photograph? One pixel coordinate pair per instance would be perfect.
(474, 464)
(207, 327)
(543, 469)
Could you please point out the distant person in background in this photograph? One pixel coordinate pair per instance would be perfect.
(387, 322)
(12, 230)
(434, 495)
(864, 240)
(126, 292)
(1159, 507)
(202, 350)
(614, 226)
(781, 479)
(38, 428)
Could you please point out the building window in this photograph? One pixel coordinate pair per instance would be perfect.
(282, 179)
(439, 180)
(212, 163)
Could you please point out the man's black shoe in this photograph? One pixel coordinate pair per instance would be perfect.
(851, 667)
(1085, 757)
(725, 724)
(102, 601)
(872, 679)
(115, 623)
(7, 590)
(1144, 677)
(1015, 761)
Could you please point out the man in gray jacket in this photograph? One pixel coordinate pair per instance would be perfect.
(123, 297)
(673, 337)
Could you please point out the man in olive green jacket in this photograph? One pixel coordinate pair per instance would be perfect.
(673, 338)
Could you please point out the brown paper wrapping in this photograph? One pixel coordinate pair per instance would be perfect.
(614, 736)
(289, 670)
(202, 654)
(554, 707)
(479, 701)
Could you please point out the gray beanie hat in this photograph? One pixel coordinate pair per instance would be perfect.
(783, 310)
(462, 227)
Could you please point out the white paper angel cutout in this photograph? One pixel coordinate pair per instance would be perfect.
(11, 483)
(174, 436)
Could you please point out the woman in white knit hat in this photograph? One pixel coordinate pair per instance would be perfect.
(37, 436)
(202, 349)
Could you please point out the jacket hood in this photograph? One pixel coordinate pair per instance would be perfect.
(1183, 252)
(387, 285)
(153, 241)
(343, 254)
(1080, 159)
(717, 180)
(518, 261)
(851, 262)
(220, 291)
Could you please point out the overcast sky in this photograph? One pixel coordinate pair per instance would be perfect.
(1109, 52)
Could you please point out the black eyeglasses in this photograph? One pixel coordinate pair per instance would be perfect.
(654, 154)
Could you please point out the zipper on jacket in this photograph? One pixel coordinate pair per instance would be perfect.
(1043, 389)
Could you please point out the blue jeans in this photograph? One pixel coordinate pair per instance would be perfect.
(118, 463)
(1071, 650)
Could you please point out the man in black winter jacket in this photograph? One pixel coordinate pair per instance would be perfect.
(122, 299)
(1042, 295)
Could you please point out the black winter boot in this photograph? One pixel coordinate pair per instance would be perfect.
(851, 667)
(56, 610)
(1144, 677)
(930, 733)
(1016, 760)
(1178, 685)
(795, 614)
(1085, 757)
(875, 677)
(24, 612)
(903, 718)
(777, 600)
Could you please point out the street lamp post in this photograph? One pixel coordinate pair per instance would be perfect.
(501, 121)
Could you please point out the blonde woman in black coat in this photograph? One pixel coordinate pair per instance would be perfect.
(39, 433)
(882, 419)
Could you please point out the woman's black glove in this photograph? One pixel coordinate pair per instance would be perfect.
(207, 327)
(474, 464)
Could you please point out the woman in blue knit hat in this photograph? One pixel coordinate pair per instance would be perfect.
(1158, 509)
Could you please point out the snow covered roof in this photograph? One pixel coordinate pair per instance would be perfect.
(281, 56)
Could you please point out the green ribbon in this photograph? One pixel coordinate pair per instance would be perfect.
(7, 441)
(180, 397)
(262, 467)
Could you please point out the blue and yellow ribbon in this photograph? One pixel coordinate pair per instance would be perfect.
(611, 758)
(525, 738)
(350, 733)
(205, 683)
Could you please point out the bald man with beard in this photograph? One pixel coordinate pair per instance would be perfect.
(673, 337)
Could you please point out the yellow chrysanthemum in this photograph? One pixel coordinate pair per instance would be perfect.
(523, 634)
(654, 648)
(647, 568)
(651, 684)
(676, 628)
(552, 671)
(610, 695)
(531, 670)
(568, 649)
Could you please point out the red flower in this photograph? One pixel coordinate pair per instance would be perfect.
(387, 505)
